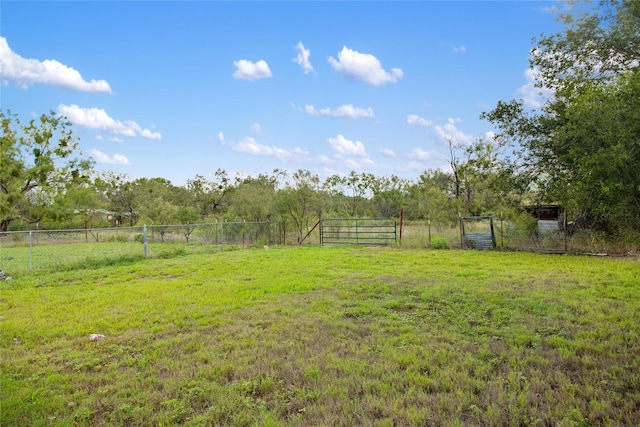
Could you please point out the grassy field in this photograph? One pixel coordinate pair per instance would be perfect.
(329, 336)
(73, 256)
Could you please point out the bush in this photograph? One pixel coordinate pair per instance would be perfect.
(172, 253)
(439, 243)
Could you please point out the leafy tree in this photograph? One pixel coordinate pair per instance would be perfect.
(160, 215)
(488, 184)
(349, 192)
(581, 147)
(157, 200)
(389, 195)
(38, 163)
(253, 198)
(121, 197)
(602, 164)
(430, 198)
(300, 201)
(597, 45)
(200, 190)
(187, 216)
(77, 206)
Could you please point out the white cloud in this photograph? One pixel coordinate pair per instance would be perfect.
(387, 152)
(417, 153)
(116, 139)
(94, 118)
(533, 96)
(415, 120)
(116, 159)
(303, 58)
(26, 72)
(347, 110)
(146, 133)
(416, 166)
(364, 66)
(450, 132)
(352, 164)
(256, 128)
(221, 137)
(251, 146)
(460, 49)
(97, 118)
(490, 135)
(300, 152)
(247, 70)
(344, 146)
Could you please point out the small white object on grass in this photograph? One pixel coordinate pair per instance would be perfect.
(96, 337)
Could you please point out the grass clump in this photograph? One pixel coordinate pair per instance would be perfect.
(439, 243)
(326, 336)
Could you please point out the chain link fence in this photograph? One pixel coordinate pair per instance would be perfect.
(513, 234)
(22, 252)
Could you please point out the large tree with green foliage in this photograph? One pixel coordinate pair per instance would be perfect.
(349, 193)
(389, 195)
(253, 198)
(581, 147)
(300, 201)
(210, 196)
(39, 162)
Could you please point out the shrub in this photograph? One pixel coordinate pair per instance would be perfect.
(439, 243)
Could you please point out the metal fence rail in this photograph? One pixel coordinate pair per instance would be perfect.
(51, 250)
(359, 231)
(477, 232)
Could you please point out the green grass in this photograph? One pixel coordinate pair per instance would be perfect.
(325, 336)
(14, 261)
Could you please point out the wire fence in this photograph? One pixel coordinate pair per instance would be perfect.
(22, 252)
(512, 235)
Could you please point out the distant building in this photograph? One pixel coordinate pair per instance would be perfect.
(550, 217)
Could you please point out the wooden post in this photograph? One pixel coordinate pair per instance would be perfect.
(320, 222)
(501, 233)
(461, 230)
(401, 220)
(565, 231)
(284, 232)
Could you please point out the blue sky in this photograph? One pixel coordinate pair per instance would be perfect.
(179, 89)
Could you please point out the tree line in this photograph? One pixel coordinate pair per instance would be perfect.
(581, 149)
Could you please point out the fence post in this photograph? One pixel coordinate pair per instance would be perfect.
(222, 233)
(501, 233)
(284, 232)
(144, 240)
(461, 230)
(275, 233)
(30, 250)
(401, 221)
(566, 243)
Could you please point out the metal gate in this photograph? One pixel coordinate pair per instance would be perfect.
(358, 231)
(477, 232)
